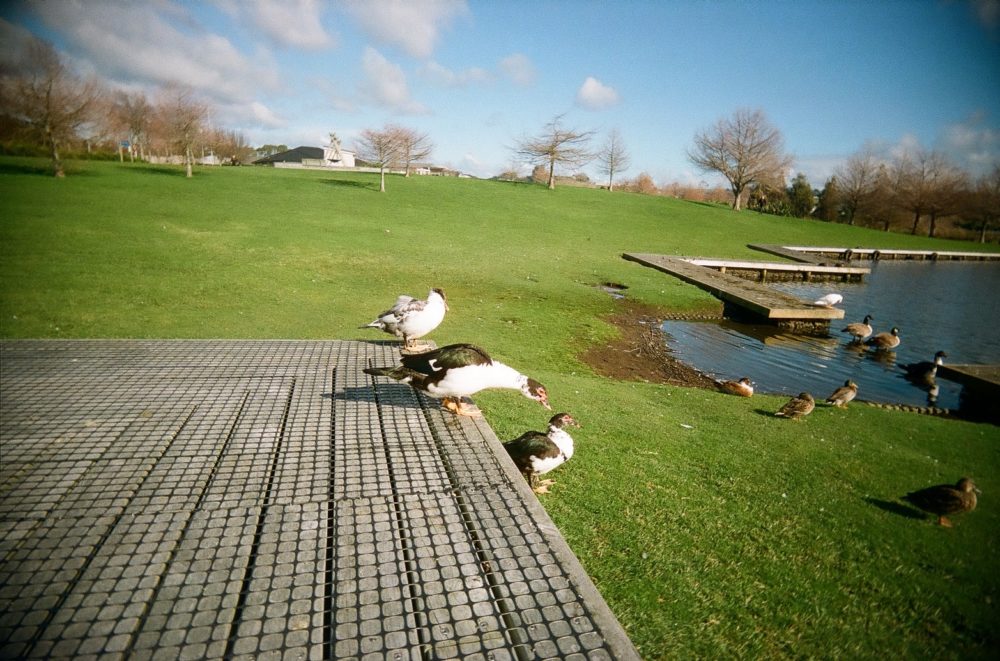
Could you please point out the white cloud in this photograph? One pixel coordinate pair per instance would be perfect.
(413, 26)
(290, 23)
(265, 117)
(445, 77)
(519, 69)
(385, 84)
(972, 144)
(595, 95)
(156, 44)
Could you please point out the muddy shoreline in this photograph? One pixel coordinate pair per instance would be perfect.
(640, 352)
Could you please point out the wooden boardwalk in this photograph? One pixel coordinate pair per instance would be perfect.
(747, 295)
(822, 254)
(268, 500)
(782, 270)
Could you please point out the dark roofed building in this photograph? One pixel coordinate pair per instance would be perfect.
(292, 156)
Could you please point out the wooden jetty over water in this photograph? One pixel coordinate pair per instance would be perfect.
(764, 271)
(823, 254)
(741, 295)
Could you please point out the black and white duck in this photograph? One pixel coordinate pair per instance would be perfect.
(797, 407)
(410, 318)
(859, 330)
(844, 394)
(945, 499)
(924, 372)
(536, 453)
(742, 388)
(459, 370)
(884, 341)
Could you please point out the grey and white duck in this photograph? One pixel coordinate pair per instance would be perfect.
(410, 318)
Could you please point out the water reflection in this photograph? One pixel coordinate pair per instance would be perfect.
(950, 306)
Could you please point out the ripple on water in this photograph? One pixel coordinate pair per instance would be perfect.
(949, 306)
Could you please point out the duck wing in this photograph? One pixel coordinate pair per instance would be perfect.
(447, 357)
(940, 499)
(528, 445)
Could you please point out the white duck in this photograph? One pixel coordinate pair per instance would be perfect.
(410, 318)
(459, 370)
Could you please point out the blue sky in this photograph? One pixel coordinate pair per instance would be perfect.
(832, 76)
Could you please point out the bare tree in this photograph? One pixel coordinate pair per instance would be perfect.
(948, 186)
(132, 114)
(380, 148)
(983, 203)
(922, 179)
(556, 145)
(744, 148)
(51, 102)
(613, 157)
(182, 118)
(413, 146)
(856, 181)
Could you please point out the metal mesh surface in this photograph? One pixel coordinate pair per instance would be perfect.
(223, 499)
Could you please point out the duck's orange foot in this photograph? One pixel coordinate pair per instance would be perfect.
(943, 520)
(542, 486)
(458, 407)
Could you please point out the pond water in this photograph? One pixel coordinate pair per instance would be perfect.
(937, 306)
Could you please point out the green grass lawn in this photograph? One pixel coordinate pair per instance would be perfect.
(713, 529)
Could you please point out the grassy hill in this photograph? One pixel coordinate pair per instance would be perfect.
(712, 528)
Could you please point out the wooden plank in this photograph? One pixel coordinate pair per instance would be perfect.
(776, 266)
(757, 298)
(787, 253)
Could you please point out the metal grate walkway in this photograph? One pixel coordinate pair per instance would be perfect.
(267, 499)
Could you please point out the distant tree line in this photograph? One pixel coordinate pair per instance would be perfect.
(46, 108)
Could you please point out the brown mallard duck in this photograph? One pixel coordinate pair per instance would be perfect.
(797, 407)
(742, 388)
(859, 330)
(844, 394)
(884, 341)
(945, 499)
(536, 453)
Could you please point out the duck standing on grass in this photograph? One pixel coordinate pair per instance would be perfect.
(411, 319)
(924, 372)
(945, 499)
(459, 370)
(859, 330)
(884, 341)
(535, 453)
(742, 388)
(797, 407)
(844, 394)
